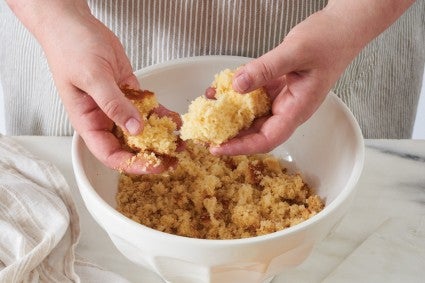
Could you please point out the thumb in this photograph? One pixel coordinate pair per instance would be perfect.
(264, 69)
(112, 101)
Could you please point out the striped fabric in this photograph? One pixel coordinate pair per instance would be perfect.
(31, 192)
(156, 31)
(381, 86)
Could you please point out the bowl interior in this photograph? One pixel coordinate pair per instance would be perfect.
(327, 150)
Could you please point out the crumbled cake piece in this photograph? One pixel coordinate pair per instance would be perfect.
(214, 121)
(158, 138)
(212, 197)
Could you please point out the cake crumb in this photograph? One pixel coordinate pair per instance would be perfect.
(212, 197)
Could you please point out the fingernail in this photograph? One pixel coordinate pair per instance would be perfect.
(132, 125)
(210, 92)
(242, 82)
(215, 150)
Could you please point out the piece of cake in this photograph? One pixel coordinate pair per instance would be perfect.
(158, 138)
(215, 121)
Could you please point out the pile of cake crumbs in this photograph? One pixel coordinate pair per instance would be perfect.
(212, 197)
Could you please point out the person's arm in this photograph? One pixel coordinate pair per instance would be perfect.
(300, 72)
(89, 65)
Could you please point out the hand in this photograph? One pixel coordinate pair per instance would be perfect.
(299, 73)
(89, 65)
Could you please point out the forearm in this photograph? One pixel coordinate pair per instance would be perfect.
(41, 17)
(366, 19)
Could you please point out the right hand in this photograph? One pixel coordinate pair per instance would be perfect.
(89, 65)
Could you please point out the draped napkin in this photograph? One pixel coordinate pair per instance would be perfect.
(39, 224)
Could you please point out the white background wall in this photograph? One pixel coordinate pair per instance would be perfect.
(418, 131)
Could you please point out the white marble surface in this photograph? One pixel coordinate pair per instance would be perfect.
(381, 239)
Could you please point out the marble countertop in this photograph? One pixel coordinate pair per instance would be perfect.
(381, 238)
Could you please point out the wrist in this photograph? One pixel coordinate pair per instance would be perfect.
(43, 17)
(365, 19)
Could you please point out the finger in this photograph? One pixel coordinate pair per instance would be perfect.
(131, 81)
(256, 126)
(106, 147)
(272, 65)
(289, 112)
(181, 145)
(84, 113)
(161, 111)
(110, 99)
(95, 129)
(210, 92)
(275, 87)
(256, 142)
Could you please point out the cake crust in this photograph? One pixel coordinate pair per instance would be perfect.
(158, 140)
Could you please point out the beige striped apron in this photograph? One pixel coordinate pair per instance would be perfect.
(381, 86)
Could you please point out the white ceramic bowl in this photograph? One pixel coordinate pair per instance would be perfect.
(328, 149)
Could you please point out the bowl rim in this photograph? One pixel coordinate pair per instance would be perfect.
(170, 64)
(83, 182)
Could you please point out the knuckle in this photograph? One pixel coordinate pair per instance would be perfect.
(86, 76)
(266, 71)
(112, 108)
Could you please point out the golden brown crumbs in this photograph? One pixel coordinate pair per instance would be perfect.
(213, 197)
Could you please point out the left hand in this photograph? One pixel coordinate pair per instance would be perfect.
(297, 75)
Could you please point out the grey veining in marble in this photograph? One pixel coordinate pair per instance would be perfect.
(382, 237)
(399, 153)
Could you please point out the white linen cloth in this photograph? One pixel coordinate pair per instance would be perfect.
(39, 224)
